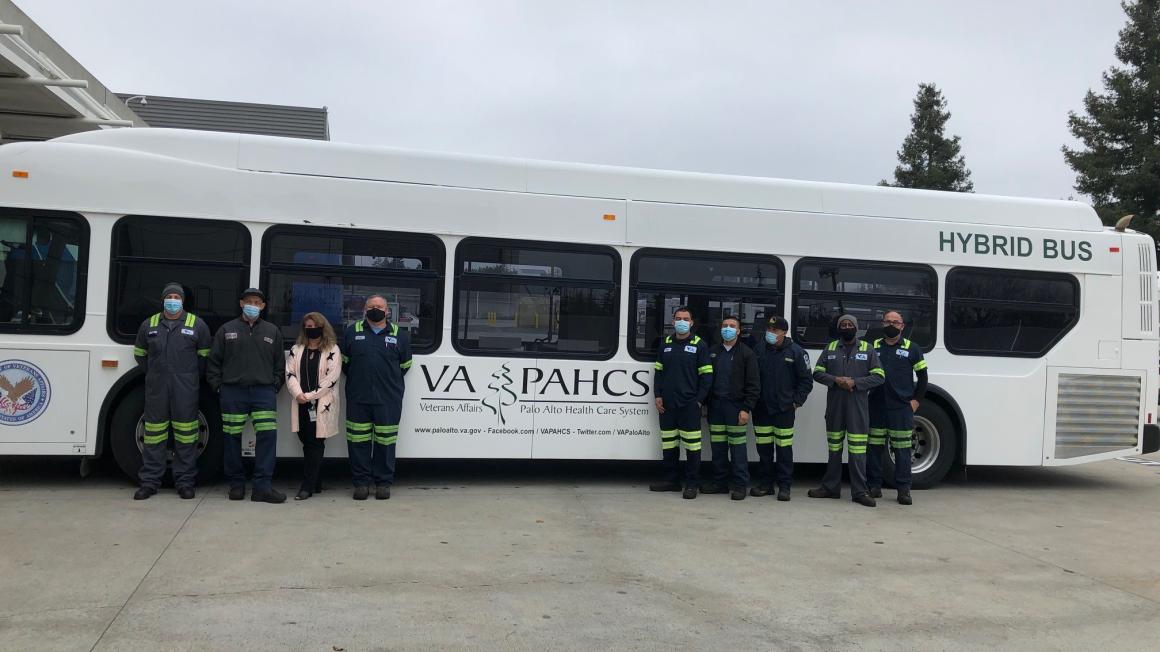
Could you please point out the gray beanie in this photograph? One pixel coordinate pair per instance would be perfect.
(848, 317)
(172, 288)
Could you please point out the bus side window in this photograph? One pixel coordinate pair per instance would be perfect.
(43, 264)
(825, 289)
(1008, 312)
(712, 285)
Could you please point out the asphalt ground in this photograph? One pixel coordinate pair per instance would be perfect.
(580, 556)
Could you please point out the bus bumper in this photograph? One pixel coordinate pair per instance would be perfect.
(1151, 442)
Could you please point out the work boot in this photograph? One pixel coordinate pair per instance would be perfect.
(272, 496)
(758, 492)
(303, 495)
(713, 488)
(186, 493)
(875, 492)
(865, 499)
(904, 498)
(382, 492)
(737, 494)
(822, 492)
(783, 494)
(144, 493)
(664, 486)
(361, 493)
(238, 493)
(690, 492)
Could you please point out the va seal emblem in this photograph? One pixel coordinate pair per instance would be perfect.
(24, 392)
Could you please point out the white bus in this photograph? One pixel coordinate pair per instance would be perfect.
(535, 293)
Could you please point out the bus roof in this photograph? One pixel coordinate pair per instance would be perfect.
(329, 159)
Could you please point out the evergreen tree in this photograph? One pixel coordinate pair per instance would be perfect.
(928, 159)
(1119, 165)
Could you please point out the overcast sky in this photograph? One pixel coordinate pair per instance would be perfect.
(806, 90)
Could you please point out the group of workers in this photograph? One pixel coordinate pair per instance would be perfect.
(246, 365)
(873, 391)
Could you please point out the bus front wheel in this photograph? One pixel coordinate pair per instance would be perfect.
(127, 435)
(934, 445)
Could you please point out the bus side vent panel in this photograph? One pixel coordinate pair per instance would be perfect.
(1147, 288)
(1096, 414)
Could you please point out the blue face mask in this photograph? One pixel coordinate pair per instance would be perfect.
(771, 338)
(251, 312)
(728, 333)
(682, 326)
(172, 306)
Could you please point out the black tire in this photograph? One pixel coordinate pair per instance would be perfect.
(123, 433)
(941, 428)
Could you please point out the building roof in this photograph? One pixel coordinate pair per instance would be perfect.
(45, 92)
(232, 117)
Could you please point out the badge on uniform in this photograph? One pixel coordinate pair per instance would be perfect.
(861, 356)
(806, 356)
(668, 349)
(789, 359)
(360, 337)
(269, 340)
(231, 336)
(312, 412)
(151, 334)
(903, 353)
(187, 331)
(689, 348)
(391, 340)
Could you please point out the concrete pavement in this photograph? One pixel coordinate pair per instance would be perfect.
(581, 556)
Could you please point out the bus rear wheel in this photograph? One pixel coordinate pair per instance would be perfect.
(127, 435)
(933, 447)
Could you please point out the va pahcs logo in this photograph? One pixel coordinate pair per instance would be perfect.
(505, 391)
(24, 392)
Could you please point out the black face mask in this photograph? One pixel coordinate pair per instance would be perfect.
(313, 332)
(376, 314)
(847, 334)
(891, 331)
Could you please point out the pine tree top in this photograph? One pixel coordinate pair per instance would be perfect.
(928, 159)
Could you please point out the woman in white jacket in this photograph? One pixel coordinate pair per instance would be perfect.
(312, 372)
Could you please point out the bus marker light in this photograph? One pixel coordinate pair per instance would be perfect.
(1114, 250)
(20, 174)
(109, 364)
(1149, 417)
(609, 217)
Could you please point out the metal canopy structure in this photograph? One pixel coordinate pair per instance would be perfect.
(44, 92)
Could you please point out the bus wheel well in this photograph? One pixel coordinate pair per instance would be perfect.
(943, 399)
(130, 382)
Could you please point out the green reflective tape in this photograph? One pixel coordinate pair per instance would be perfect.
(658, 366)
(386, 429)
(203, 352)
(232, 430)
(345, 359)
(667, 444)
(819, 367)
(878, 372)
(140, 352)
(877, 441)
(716, 427)
(705, 369)
(406, 365)
(185, 439)
(156, 426)
(355, 425)
(920, 365)
(264, 414)
(717, 438)
(357, 439)
(764, 439)
(153, 440)
(738, 440)
(736, 428)
(155, 320)
(233, 418)
(386, 441)
(857, 450)
(763, 430)
(264, 426)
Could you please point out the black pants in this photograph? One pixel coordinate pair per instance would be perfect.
(727, 438)
(774, 433)
(681, 425)
(313, 450)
